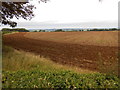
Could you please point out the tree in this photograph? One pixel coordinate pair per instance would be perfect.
(59, 30)
(17, 29)
(41, 30)
(9, 10)
(35, 31)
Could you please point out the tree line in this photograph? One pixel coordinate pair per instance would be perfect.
(7, 30)
(15, 29)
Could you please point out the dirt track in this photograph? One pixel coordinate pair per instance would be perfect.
(84, 56)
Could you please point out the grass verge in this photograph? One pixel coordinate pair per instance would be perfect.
(14, 60)
(8, 32)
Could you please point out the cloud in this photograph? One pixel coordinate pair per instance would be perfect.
(53, 25)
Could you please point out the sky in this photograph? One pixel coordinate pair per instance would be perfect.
(73, 14)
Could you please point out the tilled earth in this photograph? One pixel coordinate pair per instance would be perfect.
(83, 56)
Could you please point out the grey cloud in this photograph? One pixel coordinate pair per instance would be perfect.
(68, 25)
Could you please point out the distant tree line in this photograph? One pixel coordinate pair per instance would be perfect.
(39, 31)
(8, 30)
(59, 30)
(75, 30)
(15, 29)
(111, 29)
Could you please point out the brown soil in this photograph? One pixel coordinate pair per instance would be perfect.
(85, 55)
(102, 38)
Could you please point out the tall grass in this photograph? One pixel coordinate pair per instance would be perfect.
(14, 60)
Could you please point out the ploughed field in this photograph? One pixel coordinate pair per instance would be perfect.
(90, 50)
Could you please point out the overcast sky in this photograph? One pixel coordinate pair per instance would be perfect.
(73, 14)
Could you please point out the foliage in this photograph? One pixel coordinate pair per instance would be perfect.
(8, 30)
(9, 10)
(59, 30)
(63, 79)
(15, 9)
(95, 29)
(35, 31)
(41, 30)
(111, 29)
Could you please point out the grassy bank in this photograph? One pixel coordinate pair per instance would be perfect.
(8, 32)
(28, 61)
(26, 70)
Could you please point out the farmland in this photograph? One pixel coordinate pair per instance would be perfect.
(95, 38)
(63, 48)
(94, 51)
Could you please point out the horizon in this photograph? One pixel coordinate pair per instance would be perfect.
(52, 29)
(41, 25)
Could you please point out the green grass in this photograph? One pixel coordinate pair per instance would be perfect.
(26, 70)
